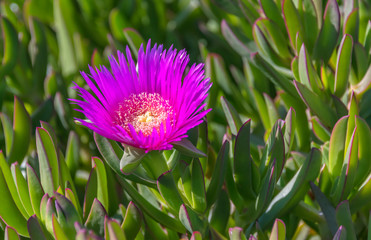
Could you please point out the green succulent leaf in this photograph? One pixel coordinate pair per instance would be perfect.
(198, 192)
(343, 65)
(278, 230)
(169, 191)
(36, 230)
(95, 220)
(344, 218)
(132, 221)
(243, 164)
(10, 42)
(295, 189)
(236, 233)
(190, 220)
(21, 132)
(219, 213)
(217, 179)
(316, 105)
(9, 211)
(329, 33)
(187, 148)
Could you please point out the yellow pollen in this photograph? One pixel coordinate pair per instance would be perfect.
(144, 112)
(145, 118)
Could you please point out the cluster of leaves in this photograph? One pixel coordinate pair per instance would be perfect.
(287, 138)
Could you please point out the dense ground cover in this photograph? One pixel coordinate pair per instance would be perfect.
(283, 154)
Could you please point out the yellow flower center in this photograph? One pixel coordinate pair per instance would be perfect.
(145, 112)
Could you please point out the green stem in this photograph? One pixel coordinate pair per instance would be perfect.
(155, 164)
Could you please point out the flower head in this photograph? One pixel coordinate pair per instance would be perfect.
(149, 104)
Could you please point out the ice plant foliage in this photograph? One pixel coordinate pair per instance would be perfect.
(149, 104)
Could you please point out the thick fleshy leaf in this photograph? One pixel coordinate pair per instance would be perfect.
(36, 230)
(198, 192)
(295, 190)
(273, 75)
(90, 192)
(302, 133)
(315, 104)
(38, 51)
(113, 230)
(292, 21)
(267, 189)
(95, 220)
(21, 132)
(48, 161)
(364, 151)
(102, 186)
(326, 207)
(351, 24)
(344, 218)
(11, 234)
(9, 211)
(243, 164)
(22, 188)
(262, 109)
(169, 191)
(58, 231)
(69, 211)
(10, 40)
(321, 132)
(278, 230)
(236, 233)
(233, 119)
(190, 220)
(7, 131)
(341, 234)
(307, 73)
(132, 221)
(5, 169)
(337, 146)
(233, 40)
(35, 190)
(72, 152)
(217, 179)
(219, 213)
(343, 65)
(329, 33)
(274, 35)
(196, 236)
(187, 148)
(274, 151)
(65, 43)
(345, 183)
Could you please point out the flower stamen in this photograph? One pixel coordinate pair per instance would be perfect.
(144, 112)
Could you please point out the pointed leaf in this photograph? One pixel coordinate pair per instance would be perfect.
(344, 218)
(187, 148)
(313, 102)
(217, 179)
(278, 230)
(329, 33)
(10, 53)
(95, 220)
(232, 116)
(169, 191)
(22, 132)
(343, 65)
(242, 169)
(132, 221)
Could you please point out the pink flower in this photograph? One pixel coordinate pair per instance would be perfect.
(149, 104)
